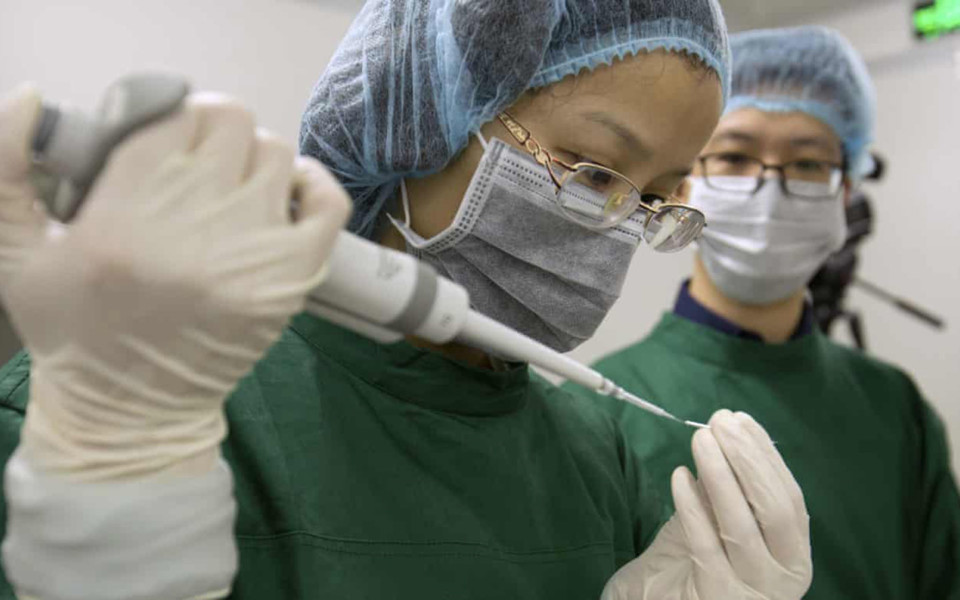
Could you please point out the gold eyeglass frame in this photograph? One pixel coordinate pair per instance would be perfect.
(546, 159)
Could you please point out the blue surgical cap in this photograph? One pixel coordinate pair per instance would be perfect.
(813, 70)
(413, 79)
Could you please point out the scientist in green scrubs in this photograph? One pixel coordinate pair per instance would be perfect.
(518, 146)
(870, 454)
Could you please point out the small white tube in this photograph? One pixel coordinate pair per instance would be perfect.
(367, 280)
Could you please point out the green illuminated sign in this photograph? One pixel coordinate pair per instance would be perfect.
(932, 20)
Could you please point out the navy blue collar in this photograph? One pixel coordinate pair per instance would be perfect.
(688, 308)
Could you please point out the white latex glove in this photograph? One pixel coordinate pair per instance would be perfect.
(742, 533)
(180, 271)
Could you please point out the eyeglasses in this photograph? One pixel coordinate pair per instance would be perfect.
(806, 179)
(601, 198)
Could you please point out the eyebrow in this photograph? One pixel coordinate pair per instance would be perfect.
(630, 140)
(815, 142)
(627, 137)
(734, 136)
(800, 142)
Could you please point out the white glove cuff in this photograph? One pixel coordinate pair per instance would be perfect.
(158, 538)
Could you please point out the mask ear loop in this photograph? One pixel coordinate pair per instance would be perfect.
(483, 141)
(405, 200)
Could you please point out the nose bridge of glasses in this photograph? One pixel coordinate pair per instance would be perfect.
(779, 171)
(771, 173)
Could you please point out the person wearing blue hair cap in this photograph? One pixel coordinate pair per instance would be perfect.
(869, 452)
(413, 81)
(524, 148)
(813, 71)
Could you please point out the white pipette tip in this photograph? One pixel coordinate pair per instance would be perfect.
(622, 394)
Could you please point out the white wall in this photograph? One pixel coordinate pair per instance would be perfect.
(270, 52)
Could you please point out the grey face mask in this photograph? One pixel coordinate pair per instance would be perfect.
(523, 263)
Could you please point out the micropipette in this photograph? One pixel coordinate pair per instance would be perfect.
(372, 290)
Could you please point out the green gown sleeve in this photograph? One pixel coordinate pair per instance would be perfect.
(652, 508)
(937, 514)
(14, 390)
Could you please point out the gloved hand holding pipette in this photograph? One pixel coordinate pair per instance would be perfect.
(185, 261)
(733, 535)
(143, 313)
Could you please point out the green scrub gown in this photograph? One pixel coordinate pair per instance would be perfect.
(869, 453)
(366, 471)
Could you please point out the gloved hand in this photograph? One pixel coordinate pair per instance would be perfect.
(178, 274)
(740, 533)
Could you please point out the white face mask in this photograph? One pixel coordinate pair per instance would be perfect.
(764, 247)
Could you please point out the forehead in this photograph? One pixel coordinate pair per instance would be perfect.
(776, 129)
(659, 92)
(660, 99)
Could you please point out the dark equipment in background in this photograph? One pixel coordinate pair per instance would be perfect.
(829, 286)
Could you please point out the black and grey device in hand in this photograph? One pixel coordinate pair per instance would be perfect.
(73, 157)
